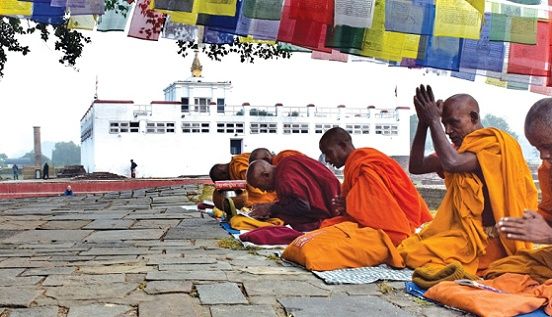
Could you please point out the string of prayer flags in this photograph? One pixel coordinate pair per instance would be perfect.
(179, 32)
(44, 13)
(220, 23)
(458, 18)
(532, 59)
(344, 37)
(189, 18)
(115, 19)
(14, 7)
(146, 24)
(320, 11)
(257, 28)
(216, 37)
(86, 7)
(217, 7)
(483, 54)
(82, 22)
(262, 9)
(175, 5)
(354, 13)
(513, 24)
(440, 52)
(408, 16)
(335, 56)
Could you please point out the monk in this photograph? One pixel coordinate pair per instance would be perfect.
(533, 226)
(486, 178)
(267, 155)
(236, 169)
(376, 192)
(304, 187)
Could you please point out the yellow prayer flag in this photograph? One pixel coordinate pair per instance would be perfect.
(82, 22)
(217, 7)
(458, 18)
(387, 45)
(14, 7)
(188, 18)
(496, 82)
(251, 39)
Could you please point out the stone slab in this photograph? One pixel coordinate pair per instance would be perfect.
(18, 296)
(188, 276)
(115, 269)
(116, 251)
(92, 291)
(221, 293)
(173, 305)
(59, 270)
(46, 236)
(7, 233)
(20, 224)
(195, 233)
(47, 311)
(155, 224)
(350, 306)
(242, 311)
(164, 287)
(59, 280)
(283, 287)
(223, 266)
(152, 260)
(64, 224)
(98, 310)
(116, 235)
(109, 224)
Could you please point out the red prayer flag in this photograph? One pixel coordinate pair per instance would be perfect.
(532, 59)
(321, 11)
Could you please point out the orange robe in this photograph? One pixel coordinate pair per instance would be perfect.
(283, 154)
(238, 171)
(380, 195)
(456, 234)
(536, 263)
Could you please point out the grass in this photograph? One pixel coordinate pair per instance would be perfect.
(385, 288)
(230, 243)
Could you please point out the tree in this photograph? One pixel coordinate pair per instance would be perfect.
(494, 121)
(3, 158)
(29, 157)
(413, 126)
(66, 153)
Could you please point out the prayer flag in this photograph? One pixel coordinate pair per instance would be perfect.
(263, 9)
(146, 24)
(14, 7)
(217, 7)
(458, 18)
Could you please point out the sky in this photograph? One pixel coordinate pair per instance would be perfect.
(38, 91)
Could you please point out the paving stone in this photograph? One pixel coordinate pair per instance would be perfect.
(92, 291)
(49, 271)
(350, 306)
(109, 224)
(7, 233)
(173, 305)
(242, 311)
(115, 235)
(18, 296)
(195, 233)
(9, 277)
(116, 251)
(98, 310)
(48, 311)
(23, 263)
(162, 259)
(114, 269)
(438, 311)
(46, 235)
(20, 224)
(163, 287)
(144, 215)
(221, 293)
(155, 224)
(189, 276)
(59, 280)
(284, 287)
(196, 267)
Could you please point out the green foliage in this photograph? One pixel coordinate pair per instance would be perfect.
(29, 157)
(66, 153)
(413, 127)
(3, 158)
(494, 121)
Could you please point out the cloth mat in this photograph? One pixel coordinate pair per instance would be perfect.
(226, 226)
(416, 291)
(364, 275)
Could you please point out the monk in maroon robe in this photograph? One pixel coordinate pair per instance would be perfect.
(305, 189)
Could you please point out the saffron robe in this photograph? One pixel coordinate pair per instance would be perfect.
(305, 189)
(456, 234)
(238, 171)
(283, 154)
(535, 263)
(380, 195)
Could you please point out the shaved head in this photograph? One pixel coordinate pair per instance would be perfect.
(460, 117)
(219, 172)
(260, 174)
(261, 154)
(336, 145)
(538, 128)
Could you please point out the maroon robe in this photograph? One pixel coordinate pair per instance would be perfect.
(305, 188)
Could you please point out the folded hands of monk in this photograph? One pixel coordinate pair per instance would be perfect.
(531, 227)
(338, 205)
(260, 211)
(427, 109)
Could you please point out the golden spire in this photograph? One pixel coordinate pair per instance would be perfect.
(196, 66)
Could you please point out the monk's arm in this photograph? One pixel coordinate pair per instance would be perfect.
(451, 160)
(419, 164)
(290, 206)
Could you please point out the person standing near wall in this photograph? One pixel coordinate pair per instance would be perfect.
(133, 166)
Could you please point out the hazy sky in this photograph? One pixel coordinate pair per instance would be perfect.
(37, 90)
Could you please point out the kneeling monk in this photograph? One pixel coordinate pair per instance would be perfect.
(265, 154)
(304, 187)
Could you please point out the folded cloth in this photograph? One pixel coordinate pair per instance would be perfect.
(429, 275)
(241, 222)
(271, 235)
(519, 294)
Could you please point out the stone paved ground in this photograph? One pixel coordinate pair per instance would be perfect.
(150, 253)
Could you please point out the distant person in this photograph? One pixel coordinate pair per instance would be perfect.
(46, 171)
(133, 166)
(15, 170)
(68, 191)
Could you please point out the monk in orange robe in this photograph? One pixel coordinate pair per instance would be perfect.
(486, 178)
(267, 155)
(236, 169)
(533, 226)
(376, 192)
